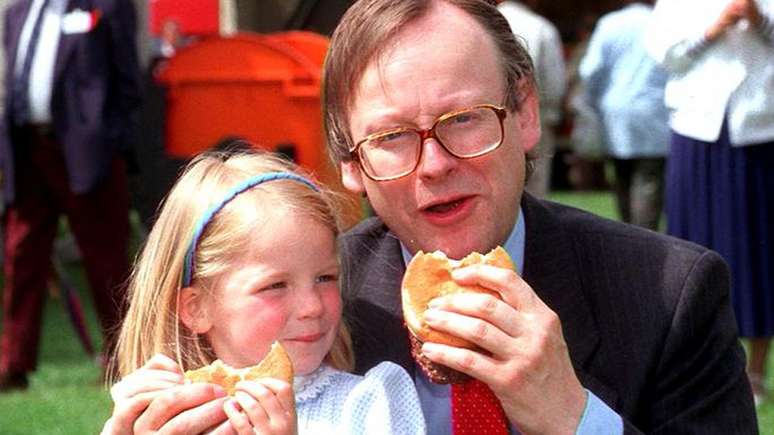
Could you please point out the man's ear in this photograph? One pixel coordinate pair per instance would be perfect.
(193, 310)
(529, 118)
(351, 177)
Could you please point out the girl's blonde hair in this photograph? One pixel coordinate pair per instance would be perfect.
(152, 324)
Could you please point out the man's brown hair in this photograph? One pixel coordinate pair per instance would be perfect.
(364, 32)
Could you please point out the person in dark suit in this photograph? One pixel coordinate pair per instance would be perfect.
(431, 111)
(72, 89)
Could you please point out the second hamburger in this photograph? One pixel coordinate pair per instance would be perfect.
(427, 277)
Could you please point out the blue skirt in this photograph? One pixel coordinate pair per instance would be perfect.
(722, 197)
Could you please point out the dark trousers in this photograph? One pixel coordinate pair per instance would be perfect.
(99, 221)
(639, 190)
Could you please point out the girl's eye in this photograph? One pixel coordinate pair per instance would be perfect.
(327, 278)
(275, 286)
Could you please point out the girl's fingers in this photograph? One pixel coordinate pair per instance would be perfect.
(224, 428)
(275, 400)
(256, 414)
(158, 373)
(130, 387)
(239, 421)
(282, 391)
(125, 413)
(162, 362)
(183, 409)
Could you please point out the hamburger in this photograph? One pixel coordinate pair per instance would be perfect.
(276, 364)
(427, 277)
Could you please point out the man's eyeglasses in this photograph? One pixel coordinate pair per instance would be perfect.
(466, 133)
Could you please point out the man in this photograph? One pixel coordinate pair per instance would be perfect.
(624, 87)
(545, 48)
(430, 109)
(72, 87)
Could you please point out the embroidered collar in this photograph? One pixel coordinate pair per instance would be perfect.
(308, 387)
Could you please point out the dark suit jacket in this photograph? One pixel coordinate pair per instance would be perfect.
(95, 92)
(646, 317)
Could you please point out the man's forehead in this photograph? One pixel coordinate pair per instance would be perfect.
(446, 44)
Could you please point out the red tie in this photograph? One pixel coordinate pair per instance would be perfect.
(476, 410)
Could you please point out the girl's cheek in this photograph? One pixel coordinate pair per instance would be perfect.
(269, 316)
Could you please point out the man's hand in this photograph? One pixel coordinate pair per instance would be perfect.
(529, 368)
(154, 399)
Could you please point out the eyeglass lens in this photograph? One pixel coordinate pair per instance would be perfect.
(464, 134)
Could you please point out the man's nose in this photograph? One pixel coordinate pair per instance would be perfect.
(436, 162)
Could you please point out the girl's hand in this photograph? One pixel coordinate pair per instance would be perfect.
(154, 399)
(159, 373)
(265, 406)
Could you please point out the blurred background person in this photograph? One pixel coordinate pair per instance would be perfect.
(545, 48)
(720, 182)
(624, 87)
(72, 89)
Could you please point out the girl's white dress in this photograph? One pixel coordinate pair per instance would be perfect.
(384, 401)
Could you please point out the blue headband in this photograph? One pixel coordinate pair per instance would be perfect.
(236, 190)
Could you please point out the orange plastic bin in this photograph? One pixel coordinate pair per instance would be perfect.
(257, 87)
(262, 88)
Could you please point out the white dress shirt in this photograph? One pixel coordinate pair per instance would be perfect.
(41, 78)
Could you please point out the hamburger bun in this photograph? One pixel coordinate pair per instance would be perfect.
(276, 364)
(427, 277)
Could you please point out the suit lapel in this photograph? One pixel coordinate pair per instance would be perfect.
(66, 42)
(17, 15)
(551, 269)
(382, 330)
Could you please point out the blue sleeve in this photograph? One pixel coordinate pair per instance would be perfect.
(593, 68)
(598, 418)
(385, 402)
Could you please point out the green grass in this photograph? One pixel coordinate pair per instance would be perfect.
(65, 396)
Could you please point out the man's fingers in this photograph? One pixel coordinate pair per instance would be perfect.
(481, 306)
(473, 329)
(184, 409)
(514, 291)
(472, 363)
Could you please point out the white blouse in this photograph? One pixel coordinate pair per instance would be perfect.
(384, 401)
(731, 78)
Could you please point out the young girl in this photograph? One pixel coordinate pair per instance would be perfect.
(244, 253)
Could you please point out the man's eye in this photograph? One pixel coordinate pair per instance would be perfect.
(392, 137)
(462, 118)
